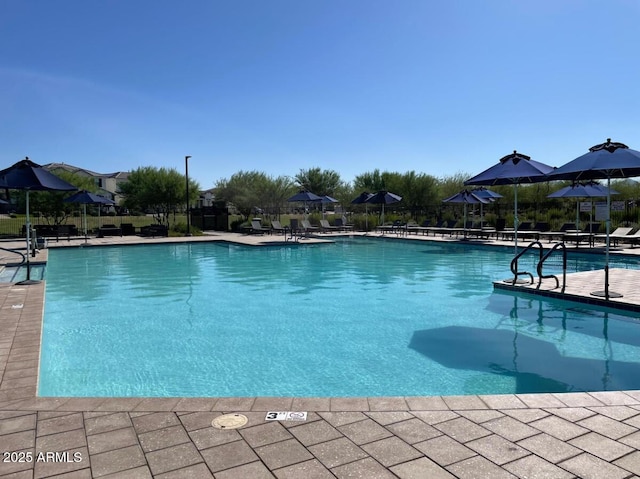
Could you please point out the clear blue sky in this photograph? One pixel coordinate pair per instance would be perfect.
(438, 87)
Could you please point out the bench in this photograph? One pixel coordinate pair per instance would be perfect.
(54, 231)
(109, 230)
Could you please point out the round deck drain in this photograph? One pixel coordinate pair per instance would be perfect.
(229, 421)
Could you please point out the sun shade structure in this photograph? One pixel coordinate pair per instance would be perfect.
(304, 197)
(27, 175)
(582, 190)
(85, 198)
(324, 200)
(362, 199)
(513, 169)
(485, 194)
(466, 197)
(606, 160)
(383, 198)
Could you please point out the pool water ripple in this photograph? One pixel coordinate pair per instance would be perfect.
(353, 318)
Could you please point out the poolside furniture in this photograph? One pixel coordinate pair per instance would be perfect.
(559, 234)
(128, 229)
(54, 231)
(257, 228)
(154, 230)
(614, 237)
(278, 228)
(109, 230)
(632, 239)
(342, 224)
(326, 227)
(422, 228)
(308, 228)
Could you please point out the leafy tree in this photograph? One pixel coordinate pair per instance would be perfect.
(159, 190)
(320, 182)
(51, 205)
(245, 190)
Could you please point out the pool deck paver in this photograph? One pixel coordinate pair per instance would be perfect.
(569, 435)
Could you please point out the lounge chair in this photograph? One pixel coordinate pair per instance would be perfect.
(257, 228)
(632, 239)
(326, 227)
(341, 223)
(559, 234)
(308, 228)
(422, 228)
(615, 236)
(278, 228)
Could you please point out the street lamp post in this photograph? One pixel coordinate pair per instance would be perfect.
(186, 169)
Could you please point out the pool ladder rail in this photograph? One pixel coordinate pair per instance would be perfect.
(542, 258)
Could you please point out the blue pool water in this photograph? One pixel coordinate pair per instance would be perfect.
(355, 318)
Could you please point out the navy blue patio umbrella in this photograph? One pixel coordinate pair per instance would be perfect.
(86, 198)
(383, 198)
(468, 198)
(582, 190)
(513, 169)
(326, 199)
(607, 160)
(304, 197)
(485, 194)
(362, 199)
(29, 176)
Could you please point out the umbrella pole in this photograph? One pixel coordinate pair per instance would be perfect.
(464, 225)
(606, 293)
(515, 217)
(84, 222)
(578, 215)
(28, 222)
(366, 218)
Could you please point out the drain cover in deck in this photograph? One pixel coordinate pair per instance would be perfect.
(229, 421)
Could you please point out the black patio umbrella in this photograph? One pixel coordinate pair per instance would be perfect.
(513, 169)
(362, 199)
(607, 160)
(326, 199)
(582, 190)
(86, 198)
(383, 198)
(485, 194)
(467, 197)
(29, 176)
(304, 197)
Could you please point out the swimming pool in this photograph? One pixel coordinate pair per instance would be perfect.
(359, 317)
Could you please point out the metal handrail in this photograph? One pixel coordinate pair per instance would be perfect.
(514, 262)
(564, 267)
(24, 258)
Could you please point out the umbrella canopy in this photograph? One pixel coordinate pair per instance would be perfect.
(362, 199)
(513, 169)
(466, 197)
(27, 175)
(607, 160)
(484, 193)
(304, 196)
(582, 190)
(383, 198)
(86, 198)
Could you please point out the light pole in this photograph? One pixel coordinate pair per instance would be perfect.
(186, 170)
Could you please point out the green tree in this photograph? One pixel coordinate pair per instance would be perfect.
(320, 182)
(159, 190)
(245, 190)
(51, 205)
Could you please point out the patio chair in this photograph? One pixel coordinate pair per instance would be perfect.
(341, 223)
(278, 228)
(307, 227)
(632, 239)
(257, 228)
(559, 234)
(615, 236)
(326, 227)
